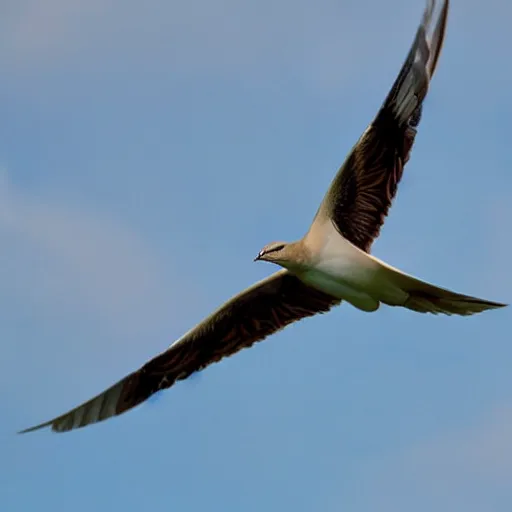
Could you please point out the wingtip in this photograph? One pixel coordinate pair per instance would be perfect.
(36, 427)
(495, 305)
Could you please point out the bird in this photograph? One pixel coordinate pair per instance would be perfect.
(330, 264)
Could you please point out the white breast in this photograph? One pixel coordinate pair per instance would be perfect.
(343, 261)
(341, 269)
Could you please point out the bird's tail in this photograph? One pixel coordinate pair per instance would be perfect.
(426, 298)
(432, 299)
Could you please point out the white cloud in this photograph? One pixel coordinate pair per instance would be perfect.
(320, 43)
(82, 297)
(481, 453)
(66, 263)
(40, 30)
(326, 45)
(466, 469)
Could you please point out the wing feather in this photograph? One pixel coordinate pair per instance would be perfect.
(361, 194)
(357, 201)
(251, 316)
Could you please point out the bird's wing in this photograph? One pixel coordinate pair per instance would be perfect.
(252, 315)
(360, 195)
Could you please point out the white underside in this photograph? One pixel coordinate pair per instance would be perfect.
(340, 269)
(348, 273)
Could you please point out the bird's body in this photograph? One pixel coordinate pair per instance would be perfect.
(327, 261)
(335, 266)
(330, 264)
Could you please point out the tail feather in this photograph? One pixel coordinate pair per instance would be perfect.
(424, 297)
(440, 301)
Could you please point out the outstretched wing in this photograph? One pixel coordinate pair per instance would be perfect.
(251, 316)
(357, 201)
(363, 189)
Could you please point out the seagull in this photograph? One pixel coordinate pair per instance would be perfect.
(330, 264)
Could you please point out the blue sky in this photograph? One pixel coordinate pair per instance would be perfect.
(147, 153)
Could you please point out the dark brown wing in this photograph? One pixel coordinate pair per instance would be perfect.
(361, 193)
(251, 316)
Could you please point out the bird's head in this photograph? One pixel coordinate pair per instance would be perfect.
(285, 254)
(274, 252)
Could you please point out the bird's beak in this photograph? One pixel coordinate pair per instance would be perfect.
(258, 258)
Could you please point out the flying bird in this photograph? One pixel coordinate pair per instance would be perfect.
(330, 264)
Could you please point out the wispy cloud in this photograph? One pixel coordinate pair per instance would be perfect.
(320, 45)
(57, 256)
(314, 42)
(481, 453)
(67, 271)
(40, 31)
(463, 469)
